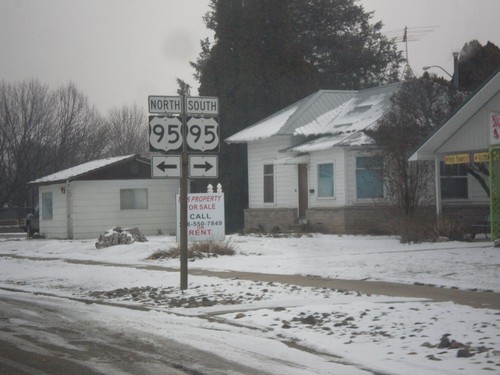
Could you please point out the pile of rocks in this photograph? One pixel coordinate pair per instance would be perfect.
(167, 297)
(119, 236)
(463, 350)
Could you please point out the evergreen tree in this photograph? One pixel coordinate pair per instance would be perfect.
(268, 53)
(255, 71)
(346, 50)
(476, 63)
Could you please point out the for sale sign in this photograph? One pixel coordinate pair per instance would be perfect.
(205, 217)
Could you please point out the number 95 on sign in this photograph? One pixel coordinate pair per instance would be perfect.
(165, 133)
(202, 134)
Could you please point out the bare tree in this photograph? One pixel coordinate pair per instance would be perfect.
(128, 131)
(77, 128)
(26, 128)
(43, 131)
(94, 145)
(417, 108)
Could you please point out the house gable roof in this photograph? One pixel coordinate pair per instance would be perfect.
(458, 118)
(296, 115)
(334, 116)
(87, 169)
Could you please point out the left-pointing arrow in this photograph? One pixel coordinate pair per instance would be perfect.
(164, 166)
(207, 166)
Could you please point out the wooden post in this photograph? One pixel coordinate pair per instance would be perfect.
(183, 203)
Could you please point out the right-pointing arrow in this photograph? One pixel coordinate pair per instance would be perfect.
(207, 166)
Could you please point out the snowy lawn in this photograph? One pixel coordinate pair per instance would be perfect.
(383, 334)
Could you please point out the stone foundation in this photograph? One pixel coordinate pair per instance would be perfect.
(352, 220)
(267, 219)
(372, 220)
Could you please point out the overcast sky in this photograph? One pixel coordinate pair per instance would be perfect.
(120, 51)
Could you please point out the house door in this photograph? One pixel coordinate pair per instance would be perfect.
(303, 198)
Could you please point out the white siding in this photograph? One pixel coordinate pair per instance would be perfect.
(476, 192)
(55, 228)
(337, 157)
(474, 135)
(96, 207)
(285, 176)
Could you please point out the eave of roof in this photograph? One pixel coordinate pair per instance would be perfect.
(84, 169)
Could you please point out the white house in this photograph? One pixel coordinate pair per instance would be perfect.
(470, 134)
(84, 201)
(312, 163)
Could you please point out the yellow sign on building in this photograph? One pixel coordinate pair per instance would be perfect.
(456, 159)
(481, 157)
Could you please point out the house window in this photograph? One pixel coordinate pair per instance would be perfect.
(47, 206)
(369, 181)
(453, 181)
(325, 180)
(133, 199)
(268, 183)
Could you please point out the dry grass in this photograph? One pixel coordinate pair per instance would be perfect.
(203, 249)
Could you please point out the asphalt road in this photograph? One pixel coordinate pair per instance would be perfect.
(40, 339)
(43, 338)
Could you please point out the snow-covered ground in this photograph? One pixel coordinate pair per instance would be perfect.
(388, 335)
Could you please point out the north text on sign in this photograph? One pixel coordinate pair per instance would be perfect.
(165, 104)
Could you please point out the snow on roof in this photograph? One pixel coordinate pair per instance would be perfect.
(300, 113)
(73, 172)
(329, 141)
(320, 125)
(344, 125)
(325, 113)
(357, 114)
(264, 129)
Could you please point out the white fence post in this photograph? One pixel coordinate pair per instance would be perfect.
(210, 188)
(219, 188)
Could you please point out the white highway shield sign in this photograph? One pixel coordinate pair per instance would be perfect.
(166, 166)
(203, 166)
(165, 133)
(202, 134)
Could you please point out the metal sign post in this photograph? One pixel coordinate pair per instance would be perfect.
(170, 130)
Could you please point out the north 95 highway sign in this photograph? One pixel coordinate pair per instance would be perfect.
(165, 133)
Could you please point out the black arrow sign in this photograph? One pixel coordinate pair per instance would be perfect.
(207, 166)
(164, 166)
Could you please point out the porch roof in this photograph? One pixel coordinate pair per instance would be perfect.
(457, 119)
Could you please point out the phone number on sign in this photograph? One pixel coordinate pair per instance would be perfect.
(202, 224)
